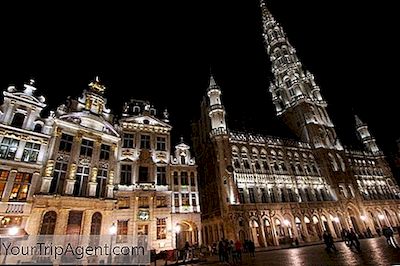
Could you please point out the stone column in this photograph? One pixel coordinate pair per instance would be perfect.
(261, 225)
(20, 150)
(273, 229)
(332, 228)
(110, 185)
(9, 185)
(62, 222)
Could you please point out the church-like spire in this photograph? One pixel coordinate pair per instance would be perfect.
(359, 123)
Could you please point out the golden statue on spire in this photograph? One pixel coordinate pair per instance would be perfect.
(96, 86)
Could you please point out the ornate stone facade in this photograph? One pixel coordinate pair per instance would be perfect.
(82, 171)
(273, 190)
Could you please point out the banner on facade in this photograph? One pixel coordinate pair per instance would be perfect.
(75, 250)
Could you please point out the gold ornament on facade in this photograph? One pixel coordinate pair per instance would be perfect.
(111, 178)
(49, 168)
(94, 174)
(72, 171)
(96, 86)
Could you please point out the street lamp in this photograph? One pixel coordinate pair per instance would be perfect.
(363, 218)
(13, 231)
(381, 217)
(113, 231)
(177, 230)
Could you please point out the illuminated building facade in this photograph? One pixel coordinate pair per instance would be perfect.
(273, 190)
(82, 171)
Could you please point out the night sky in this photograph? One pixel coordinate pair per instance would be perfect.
(162, 51)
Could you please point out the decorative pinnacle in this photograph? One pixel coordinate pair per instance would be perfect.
(358, 121)
(96, 86)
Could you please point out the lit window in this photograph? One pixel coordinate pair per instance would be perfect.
(101, 183)
(21, 186)
(8, 148)
(143, 202)
(31, 152)
(122, 231)
(161, 201)
(185, 199)
(3, 181)
(161, 228)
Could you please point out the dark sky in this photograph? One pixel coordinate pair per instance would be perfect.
(162, 51)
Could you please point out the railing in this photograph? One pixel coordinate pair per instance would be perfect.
(15, 208)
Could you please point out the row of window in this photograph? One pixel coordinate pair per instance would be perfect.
(86, 147)
(184, 179)
(272, 195)
(145, 142)
(144, 175)
(9, 147)
(143, 202)
(185, 199)
(74, 225)
(20, 188)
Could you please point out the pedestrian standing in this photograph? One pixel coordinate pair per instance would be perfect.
(353, 239)
(238, 248)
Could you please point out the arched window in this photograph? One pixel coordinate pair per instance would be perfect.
(18, 120)
(38, 128)
(136, 109)
(342, 165)
(257, 166)
(48, 223)
(183, 159)
(95, 228)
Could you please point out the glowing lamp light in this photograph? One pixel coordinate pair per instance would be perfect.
(113, 229)
(177, 229)
(13, 231)
(380, 216)
(336, 219)
(363, 217)
(286, 222)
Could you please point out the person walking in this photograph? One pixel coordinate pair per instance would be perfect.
(221, 250)
(353, 239)
(252, 248)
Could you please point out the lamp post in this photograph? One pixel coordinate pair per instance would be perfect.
(112, 231)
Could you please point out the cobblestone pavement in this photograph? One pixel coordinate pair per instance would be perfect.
(373, 252)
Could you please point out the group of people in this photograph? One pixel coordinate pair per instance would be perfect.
(350, 237)
(230, 251)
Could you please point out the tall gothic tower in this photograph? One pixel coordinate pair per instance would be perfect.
(296, 96)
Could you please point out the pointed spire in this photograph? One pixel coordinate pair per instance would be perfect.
(182, 140)
(359, 123)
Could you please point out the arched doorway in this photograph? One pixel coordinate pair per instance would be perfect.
(268, 232)
(336, 225)
(299, 228)
(354, 222)
(242, 236)
(255, 233)
(185, 232)
(48, 223)
(325, 224)
(317, 226)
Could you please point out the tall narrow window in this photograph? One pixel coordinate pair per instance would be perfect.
(241, 195)
(194, 202)
(176, 179)
(161, 144)
(3, 181)
(143, 174)
(161, 228)
(185, 199)
(161, 201)
(272, 195)
(86, 148)
(95, 228)
(176, 200)
(104, 152)
(283, 195)
(263, 196)
(31, 152)
(21, 186)
(143, 202)
(8, 148)
(48, 223)
(128, 140)
(184, 179)
(122, 231)
(101, 183)
(81, 182)
(126, 174)
(161, 176)
(251, 195)
(57, 183)
(74, 224)
(66, 142)
(290, 194)
(145, 142)
(18, 120)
